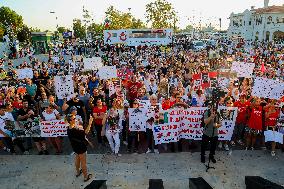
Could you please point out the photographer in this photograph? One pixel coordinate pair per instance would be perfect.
(211, 124)
(6, 131)
(27, 114)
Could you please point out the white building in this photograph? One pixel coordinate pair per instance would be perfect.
(265, 23)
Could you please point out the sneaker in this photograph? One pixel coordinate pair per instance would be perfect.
(156, 151)
(118, 155)
(6, 149)
(72, 153)
(202, 159)
(252, 148)
(125, 143)
(226, 147)
(148, 151)
(26, 152)
(220, 145)
(240, 142)
(246, 148)
(212, 159)
(273, 153)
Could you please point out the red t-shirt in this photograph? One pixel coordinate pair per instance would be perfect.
(98, 110)
(17, 105)
(133, 89)
(255, 120)
(243, 111)
(272, 119)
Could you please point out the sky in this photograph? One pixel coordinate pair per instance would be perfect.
(36, 13)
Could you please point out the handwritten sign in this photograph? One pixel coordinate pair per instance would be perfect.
(243, 69)
(107, 72)
(186, 124)
(64, 86)
(25, 73)
(93, 63)
(53, 128)
(137, 119)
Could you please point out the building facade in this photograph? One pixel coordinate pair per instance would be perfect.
(262, 24)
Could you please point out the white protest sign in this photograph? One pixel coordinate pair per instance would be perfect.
(55, 59)
(137, 119)
(53, 128)
(223, 82)
(64, 86)
(243, 69)
(186, 124)
(228, 117)
(144, 104)
(107, 72)
(273, 136)
(25, 73)
(93, 63)
(267, 88)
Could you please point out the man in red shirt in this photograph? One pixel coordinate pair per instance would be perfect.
(132, 89)
(242, 118)
(99, 114)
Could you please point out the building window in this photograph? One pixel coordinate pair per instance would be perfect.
(250, 22)
(269, 20)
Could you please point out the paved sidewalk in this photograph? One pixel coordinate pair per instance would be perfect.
(134, 171)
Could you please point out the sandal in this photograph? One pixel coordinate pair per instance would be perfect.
(88, 178)
(80, 172)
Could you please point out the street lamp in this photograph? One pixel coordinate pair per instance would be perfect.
(52, 12)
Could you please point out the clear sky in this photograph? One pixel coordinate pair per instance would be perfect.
(36, 13)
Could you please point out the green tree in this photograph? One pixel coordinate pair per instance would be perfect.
(2, 31)
(24, 34)
(11, 21)
(34, 29)
(61, 29)
(79, 29)
(96, 29)
(122, 20)
(161, 14)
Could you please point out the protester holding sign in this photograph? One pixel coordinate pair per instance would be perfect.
(50, 114)
(271, 116)
(111, 130)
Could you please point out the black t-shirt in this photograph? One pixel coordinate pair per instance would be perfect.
(23, 112)
(79, 105)
(77, 140)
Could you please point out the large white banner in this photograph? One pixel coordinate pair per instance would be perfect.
(93, 63)
(243, 69)
(53, 128)
(186, 124)
(64, 86)
(25, 73)
(137, 119)
(268, 88)
(107, 72)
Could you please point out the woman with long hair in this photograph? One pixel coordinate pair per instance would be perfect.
(79, 142)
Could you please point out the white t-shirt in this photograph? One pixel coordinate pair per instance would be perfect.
(50, 117)
(7, 116)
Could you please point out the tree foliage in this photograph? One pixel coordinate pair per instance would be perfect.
(122, 20)
(96, 29)
(161, 14)
(11, 21)
(24, 34)
(79, 29)
(61, 29)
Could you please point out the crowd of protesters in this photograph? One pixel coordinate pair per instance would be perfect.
(165, 79)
